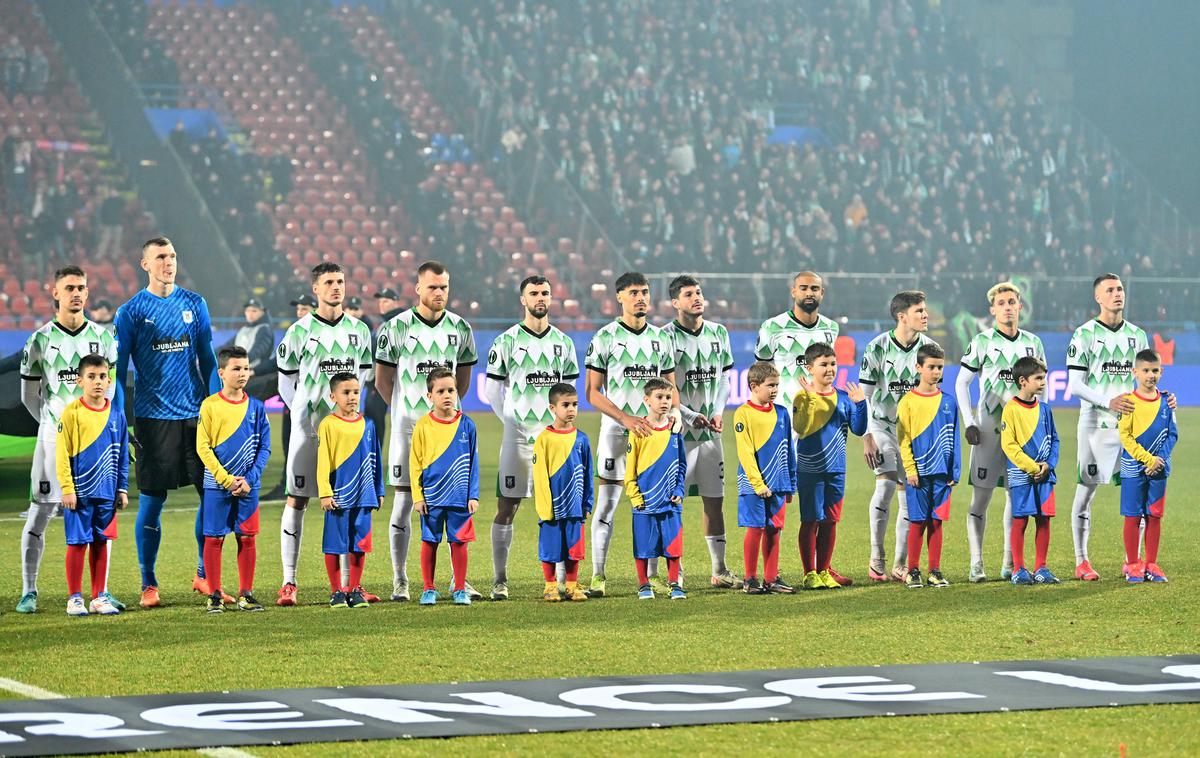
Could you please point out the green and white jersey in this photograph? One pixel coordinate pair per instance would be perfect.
(783, 340)
(889, 370)
(414, 347)
(628, 358)
(529, 364)
(314, 350)
(1105, 355)
(992, 354)
(51, 357)
(701, 360)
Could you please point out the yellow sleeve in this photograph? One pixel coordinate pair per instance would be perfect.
(1012, 446)
(416, 454)
(904, 423)
(1129, 440)
(204, 448)
(543, 498)
(801, 415)
(325, 453)
(64, 447)
(636, 499)
(746, 449)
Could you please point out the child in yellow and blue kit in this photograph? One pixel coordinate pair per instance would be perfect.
(927, 428)
(1148, 436)
(562, 493)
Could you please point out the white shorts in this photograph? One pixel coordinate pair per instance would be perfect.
(514, 478)
(988, 463)
(301, 464)
(611, 449)
(1099, 453)
(705, 468)
(43, 476)
(398, 448)
(889, 447)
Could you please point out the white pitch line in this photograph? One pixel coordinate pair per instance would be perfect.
(225, 752)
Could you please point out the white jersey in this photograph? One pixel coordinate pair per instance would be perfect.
(701, 360)
(314, 350)
(1105, 354)
(992, 354)
(415, 347)
(51, 358)
(628, 358)
(529, 364)
(888, 370)
(783, 340)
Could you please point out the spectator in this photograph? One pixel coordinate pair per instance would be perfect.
(13, 55)
(112, 224)
(39, 71)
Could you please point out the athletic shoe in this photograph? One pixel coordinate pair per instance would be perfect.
(27, 603)
(812, 581)
(726, 580)
(150, 598)
(828, 580)
(102, 606)
(356, 599)
(1135, 573)
(287, 595)
(462, 597)
(550, 593)
(75, 606)
(677, 592)
(842, 581)
(597, 588)
(214, 603)
(112, 599)
(247, 603)
(936, 579)
(899, 573)
(977, 575)
(400, 591)
(338, 600)
(1154, 573)
(500, 590)
(1085, 572)
(368, 596)
(429, 597)
(645, 592)
(474, 593)
(574, 593)
(200, 584)
(1006, 572)
(912, 579)
(659, 586)
(875, 570)
(1021, 577)
(779, 587)
(1044, 576)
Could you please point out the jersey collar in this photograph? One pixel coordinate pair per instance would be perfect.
(1026, 403)
(792, 315)
(69, 332)
(1113, 329)
(354, 420)
(685, 330)
(1013, 338)
(94, 410)
(426, 321)
(327, 322)
(927, 394)
(560, 431)
(245, 398)
(530, 332)
(630, 329)
(757, 407)
(457, 416)
(896, 342)
(1157, 395)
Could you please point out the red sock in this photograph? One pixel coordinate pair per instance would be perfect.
(212, 562)
(1153, 532)
(333, 569)
(246, 558)
(642, 571)
(673, 570)
(98, 558)
(76, 554)
(915, 530)
(1133, 533)
(1041, 539)
(1017, 537)
(428, 563)
(548, 571)
(358, 561)
(458, 561)
(808, 545)
(935, 544)
(770, 554)
(751, 546)
(572, 570)
(826, 539)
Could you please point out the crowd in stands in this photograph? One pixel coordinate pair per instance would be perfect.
(25, 71)
(146, 57)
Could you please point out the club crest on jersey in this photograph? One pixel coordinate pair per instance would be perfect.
(396, 471)
(299, 480)
(609, 464)
(1132, 342)
(1092, 469)
(44, 487)
(510, 482)
(981, 473)
(452, 340)
(187, 317)
(715, 346)
(654, 345)
(829, 338)
(94, 348)
(353, 339)
(1029, 352)
(558, 351)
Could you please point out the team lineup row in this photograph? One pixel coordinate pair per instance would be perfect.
(164, 330)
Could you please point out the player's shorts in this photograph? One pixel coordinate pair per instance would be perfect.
(1032, 499)
(166, 453)
(1143, 496)
(755, 512)
(515, 477)
(43, 475)
(91, 520)
(1099, 454)
(657, 535)
(347, 530)
(705, 468)
(988, 463)
(301, 464)
(458, 524)
(223, 513)
(820, 496)
(398, 449)
(560, 540)
(930, 499)
(611, 449)
(889, 447)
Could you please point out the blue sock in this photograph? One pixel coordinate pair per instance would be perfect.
(149, 535)
(200, 542)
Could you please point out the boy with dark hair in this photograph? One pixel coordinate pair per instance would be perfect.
(562, 493)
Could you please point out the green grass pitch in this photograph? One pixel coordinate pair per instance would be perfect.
(180, 648)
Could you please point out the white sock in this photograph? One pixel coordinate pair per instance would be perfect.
(502, 535)
(901, 526)
(344, 562)
(977, 521)
(1081, 519)
(560, 572)
(1008, 519)
(291, 529)
(652, 566)
(108, 565)
(716, 551)
(880, 504)
(33, 543)
(607, 497)
(400, 533)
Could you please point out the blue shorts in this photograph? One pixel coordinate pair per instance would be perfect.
(223, 513)
(91, 520)
(457, 523)
(347, 530)
(820, 496)
(1033, 499)
(657, 535)
(930, 499)
(1143, 496)
(560, 540)
(759, 513)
